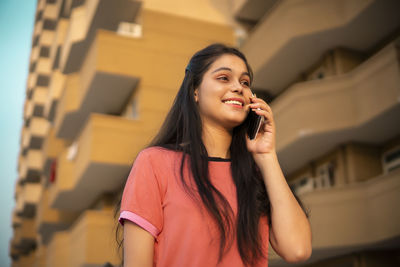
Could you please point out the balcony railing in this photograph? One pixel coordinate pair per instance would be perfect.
(63, 182)
(51, 10)
(67, 104)
(30, 193)
(58, 250)
(25, 236)
(84, 22)
(27, 259)
(32, 80)
(35, 53)
(108, 71)
(93, 239)
(56, 87)
(49, 220)
(43, 66)
(295, 35)
(52, 148)
(315, 116)
(46, 38)
(103, 156)
(35, 134)
(40, 255)
(16, 219)
(31, 168)
(251, 11)
(38, 28)
(58, 40)
(352, 218)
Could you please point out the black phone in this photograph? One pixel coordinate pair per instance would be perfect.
(254, 122)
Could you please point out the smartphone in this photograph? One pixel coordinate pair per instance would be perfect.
(254, 122)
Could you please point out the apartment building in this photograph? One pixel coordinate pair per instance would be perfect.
(331, 72)
(104, 73)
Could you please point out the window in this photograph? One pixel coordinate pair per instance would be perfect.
(391, 159)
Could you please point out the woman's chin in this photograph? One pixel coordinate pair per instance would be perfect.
(232, 123)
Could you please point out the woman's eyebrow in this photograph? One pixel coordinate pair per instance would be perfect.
(222, 68)
(229, 69)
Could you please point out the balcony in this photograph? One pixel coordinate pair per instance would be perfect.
(27, 260)
(56, 87)
(25, 236)
(63, 182)
(252, 11)
(46, 37)
(43, 66)
(50, 11)
(49, 221)
(94, 239)
(354, 217)
(19, 200)
(34, 135)
(52, 148)
(58, 40)
(39, 95)
(314, 117)
(89, 91)
(31, 169)
(99, 162)
(16, 219)
(28, 109)
(66, 108)
(107, 71)
(58, 250)
(84, 22)
(35, 101)
(13, 252)
(32, 80)
(41, 4)
(294, 35)
(30, 194)
(24, 140)
(35, 53)
(40, 256)
(38, 28)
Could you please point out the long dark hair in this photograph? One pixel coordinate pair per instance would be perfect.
(182, 131)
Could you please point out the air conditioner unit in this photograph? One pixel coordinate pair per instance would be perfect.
(391, 159)
(133, 30)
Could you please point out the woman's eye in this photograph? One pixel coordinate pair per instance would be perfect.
(223, 78)
(246, 83)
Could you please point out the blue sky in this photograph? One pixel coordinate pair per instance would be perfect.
(16, 26)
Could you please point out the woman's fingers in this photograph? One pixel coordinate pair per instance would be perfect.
(259, 103)
(267, 115)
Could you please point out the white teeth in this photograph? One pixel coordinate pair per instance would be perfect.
(233, 102)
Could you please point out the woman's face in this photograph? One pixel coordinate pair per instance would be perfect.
(224, 93)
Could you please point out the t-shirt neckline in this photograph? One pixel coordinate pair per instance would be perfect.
(218, 159)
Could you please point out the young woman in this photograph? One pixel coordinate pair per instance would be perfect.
(204, 194)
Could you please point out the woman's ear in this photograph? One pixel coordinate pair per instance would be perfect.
(196, 97)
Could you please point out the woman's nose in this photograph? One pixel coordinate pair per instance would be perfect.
(237, 87)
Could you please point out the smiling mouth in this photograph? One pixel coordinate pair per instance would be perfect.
(234, 103)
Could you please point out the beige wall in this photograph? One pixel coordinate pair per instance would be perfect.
(363, 162)
(205, 10)
(335, 62)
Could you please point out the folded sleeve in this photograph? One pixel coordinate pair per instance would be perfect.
(142, 197)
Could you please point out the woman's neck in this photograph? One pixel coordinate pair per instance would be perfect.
(217, 141)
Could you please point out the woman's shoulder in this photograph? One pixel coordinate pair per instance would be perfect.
(159, 154)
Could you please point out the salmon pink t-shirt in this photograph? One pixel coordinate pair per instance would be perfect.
(185, 234)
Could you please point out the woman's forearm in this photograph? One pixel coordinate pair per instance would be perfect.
(291, 231)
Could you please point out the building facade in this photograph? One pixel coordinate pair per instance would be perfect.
(103, 75)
